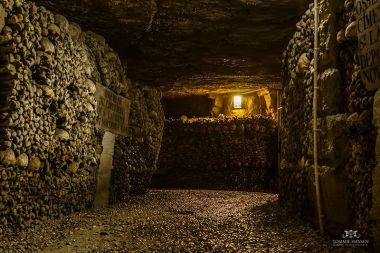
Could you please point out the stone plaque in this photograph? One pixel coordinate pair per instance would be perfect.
(368, 27)
(105, 171)
(113, 111)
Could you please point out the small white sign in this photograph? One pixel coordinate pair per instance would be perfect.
(113, 111)
(368, 27)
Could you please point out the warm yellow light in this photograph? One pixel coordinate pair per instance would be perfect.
(237, 102)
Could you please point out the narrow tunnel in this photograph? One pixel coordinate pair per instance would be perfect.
(189, 126)
(219, 141)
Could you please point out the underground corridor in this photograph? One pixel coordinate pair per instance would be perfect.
(189, 126)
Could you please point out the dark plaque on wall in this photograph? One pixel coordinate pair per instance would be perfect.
(368, 27)
(113, 111)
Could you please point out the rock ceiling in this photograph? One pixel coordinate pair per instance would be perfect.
(196, 43)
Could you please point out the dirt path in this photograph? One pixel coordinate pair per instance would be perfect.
(176, 221)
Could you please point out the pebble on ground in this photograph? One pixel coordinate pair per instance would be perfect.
(177, 221)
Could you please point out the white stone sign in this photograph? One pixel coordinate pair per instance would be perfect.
(368, 27)
(113, 111)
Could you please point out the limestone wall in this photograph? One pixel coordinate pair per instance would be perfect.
(221, 153)
(261, 102)
(49, 146)
(346, 137)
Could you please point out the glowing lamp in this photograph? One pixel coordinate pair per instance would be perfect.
(237, 102)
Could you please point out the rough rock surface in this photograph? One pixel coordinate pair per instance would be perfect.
(192, 42)
(346, 137)
(49, 146)
(49, 117)
(177, 221)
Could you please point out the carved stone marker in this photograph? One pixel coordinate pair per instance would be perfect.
(113, 111)
(104, 173)
(368, 27)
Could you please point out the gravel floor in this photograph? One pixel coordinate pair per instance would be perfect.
(176, 221)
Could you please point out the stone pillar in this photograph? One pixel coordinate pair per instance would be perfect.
(104, 173)
(218, 105)
(268, 101)
(375, 212)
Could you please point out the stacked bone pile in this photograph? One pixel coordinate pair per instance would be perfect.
(110, 71)
(136, 155)
(218, 153)
(348, 153)
(48, 144)
(360, 106)
(298, 90)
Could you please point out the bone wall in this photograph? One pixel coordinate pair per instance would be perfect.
(49, 146)
(219, 153)
(346, 137)
(136, 155)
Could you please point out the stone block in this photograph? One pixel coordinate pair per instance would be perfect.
(334, 145)
(334, 196)
(331, 92)
(328, 42)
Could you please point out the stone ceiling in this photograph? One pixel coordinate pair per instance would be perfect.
(196, 43)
